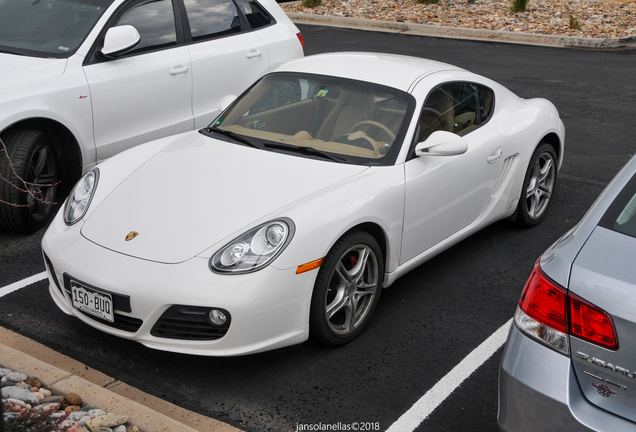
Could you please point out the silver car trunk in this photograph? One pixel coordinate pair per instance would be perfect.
(604, 274)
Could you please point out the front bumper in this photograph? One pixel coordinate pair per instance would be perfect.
(269, 309)
(538, 391)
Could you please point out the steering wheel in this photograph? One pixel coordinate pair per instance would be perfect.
(376, 126)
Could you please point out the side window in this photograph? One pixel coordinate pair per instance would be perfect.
(465, 101)
(455, 107)
(212, 18)
(256, 15)
(154, 21)
(486, 103)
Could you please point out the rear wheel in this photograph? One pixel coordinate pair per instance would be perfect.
(347, 289)
(29, 181)
(538, 186)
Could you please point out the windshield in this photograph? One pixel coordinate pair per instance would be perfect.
(358, 122)
(47, 28)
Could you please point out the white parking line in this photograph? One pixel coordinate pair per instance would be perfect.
(23, 283)
(440, 391)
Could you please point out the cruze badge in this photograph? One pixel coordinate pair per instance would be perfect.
(131, 235)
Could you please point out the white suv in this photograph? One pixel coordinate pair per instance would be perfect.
(81, 80)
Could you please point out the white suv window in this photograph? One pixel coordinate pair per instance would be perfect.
(212, 18)
(155, 23)
(255, 13)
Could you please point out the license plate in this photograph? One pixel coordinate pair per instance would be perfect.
(92, 302)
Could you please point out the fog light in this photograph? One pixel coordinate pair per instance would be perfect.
(217, 317)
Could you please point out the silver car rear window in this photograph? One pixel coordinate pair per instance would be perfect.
(621, 214)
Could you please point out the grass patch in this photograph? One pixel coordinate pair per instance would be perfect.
(575, 23)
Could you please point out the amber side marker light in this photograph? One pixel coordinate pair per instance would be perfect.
(309, 266)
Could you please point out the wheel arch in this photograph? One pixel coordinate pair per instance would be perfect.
(376, 232)
(69, 156)
(554, 140)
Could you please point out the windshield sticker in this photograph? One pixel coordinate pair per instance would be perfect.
(63, 48)
(219, 121)
(322, 93)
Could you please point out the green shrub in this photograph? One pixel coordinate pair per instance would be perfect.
(311, 3)
(519, 5)
(575, 24)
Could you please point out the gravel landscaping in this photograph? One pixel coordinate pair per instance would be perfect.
(559, 17)
(30, 407)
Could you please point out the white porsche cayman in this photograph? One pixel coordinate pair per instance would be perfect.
(324, 182)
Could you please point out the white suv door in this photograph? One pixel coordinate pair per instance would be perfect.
(146, 93)
(221, 52)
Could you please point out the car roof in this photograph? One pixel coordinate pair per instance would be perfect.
(386, 69)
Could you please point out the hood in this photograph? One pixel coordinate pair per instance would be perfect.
(18, 70)
(198, 192)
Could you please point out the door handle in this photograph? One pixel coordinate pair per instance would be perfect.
(179, 70)
(253, 53)
(495, 155)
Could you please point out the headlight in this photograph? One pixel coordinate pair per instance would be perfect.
(254, 249)
(80, 198)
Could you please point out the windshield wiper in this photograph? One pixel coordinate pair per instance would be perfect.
(234, 136)
(6, 51)
(304, 150)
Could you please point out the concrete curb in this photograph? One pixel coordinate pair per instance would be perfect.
(64, 375)
(462, 33)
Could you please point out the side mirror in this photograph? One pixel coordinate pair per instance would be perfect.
(442, 143)
(225, 102)
(120, 39)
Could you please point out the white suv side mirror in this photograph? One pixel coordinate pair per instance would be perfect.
(442, 143)
(225, 102)
(120, 39)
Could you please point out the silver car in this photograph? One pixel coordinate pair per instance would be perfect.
(569, 363)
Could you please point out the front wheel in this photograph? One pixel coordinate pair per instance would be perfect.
(29, 181)
(538, 186)
(347, 289)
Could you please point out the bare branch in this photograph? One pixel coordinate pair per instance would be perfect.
(24, 183)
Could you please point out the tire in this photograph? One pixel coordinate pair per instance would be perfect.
(347, 289)
(34, 162)
(538, 186)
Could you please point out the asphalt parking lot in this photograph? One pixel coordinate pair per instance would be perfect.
(428, 322)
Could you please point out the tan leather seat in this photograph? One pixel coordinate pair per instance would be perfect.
(348, 110)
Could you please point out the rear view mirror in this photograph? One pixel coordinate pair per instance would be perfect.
(120, 39)
(442, 143)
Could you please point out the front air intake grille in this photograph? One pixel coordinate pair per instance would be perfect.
(189, 323)
(122, 322)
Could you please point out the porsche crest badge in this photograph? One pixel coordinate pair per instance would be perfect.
(131, 235)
